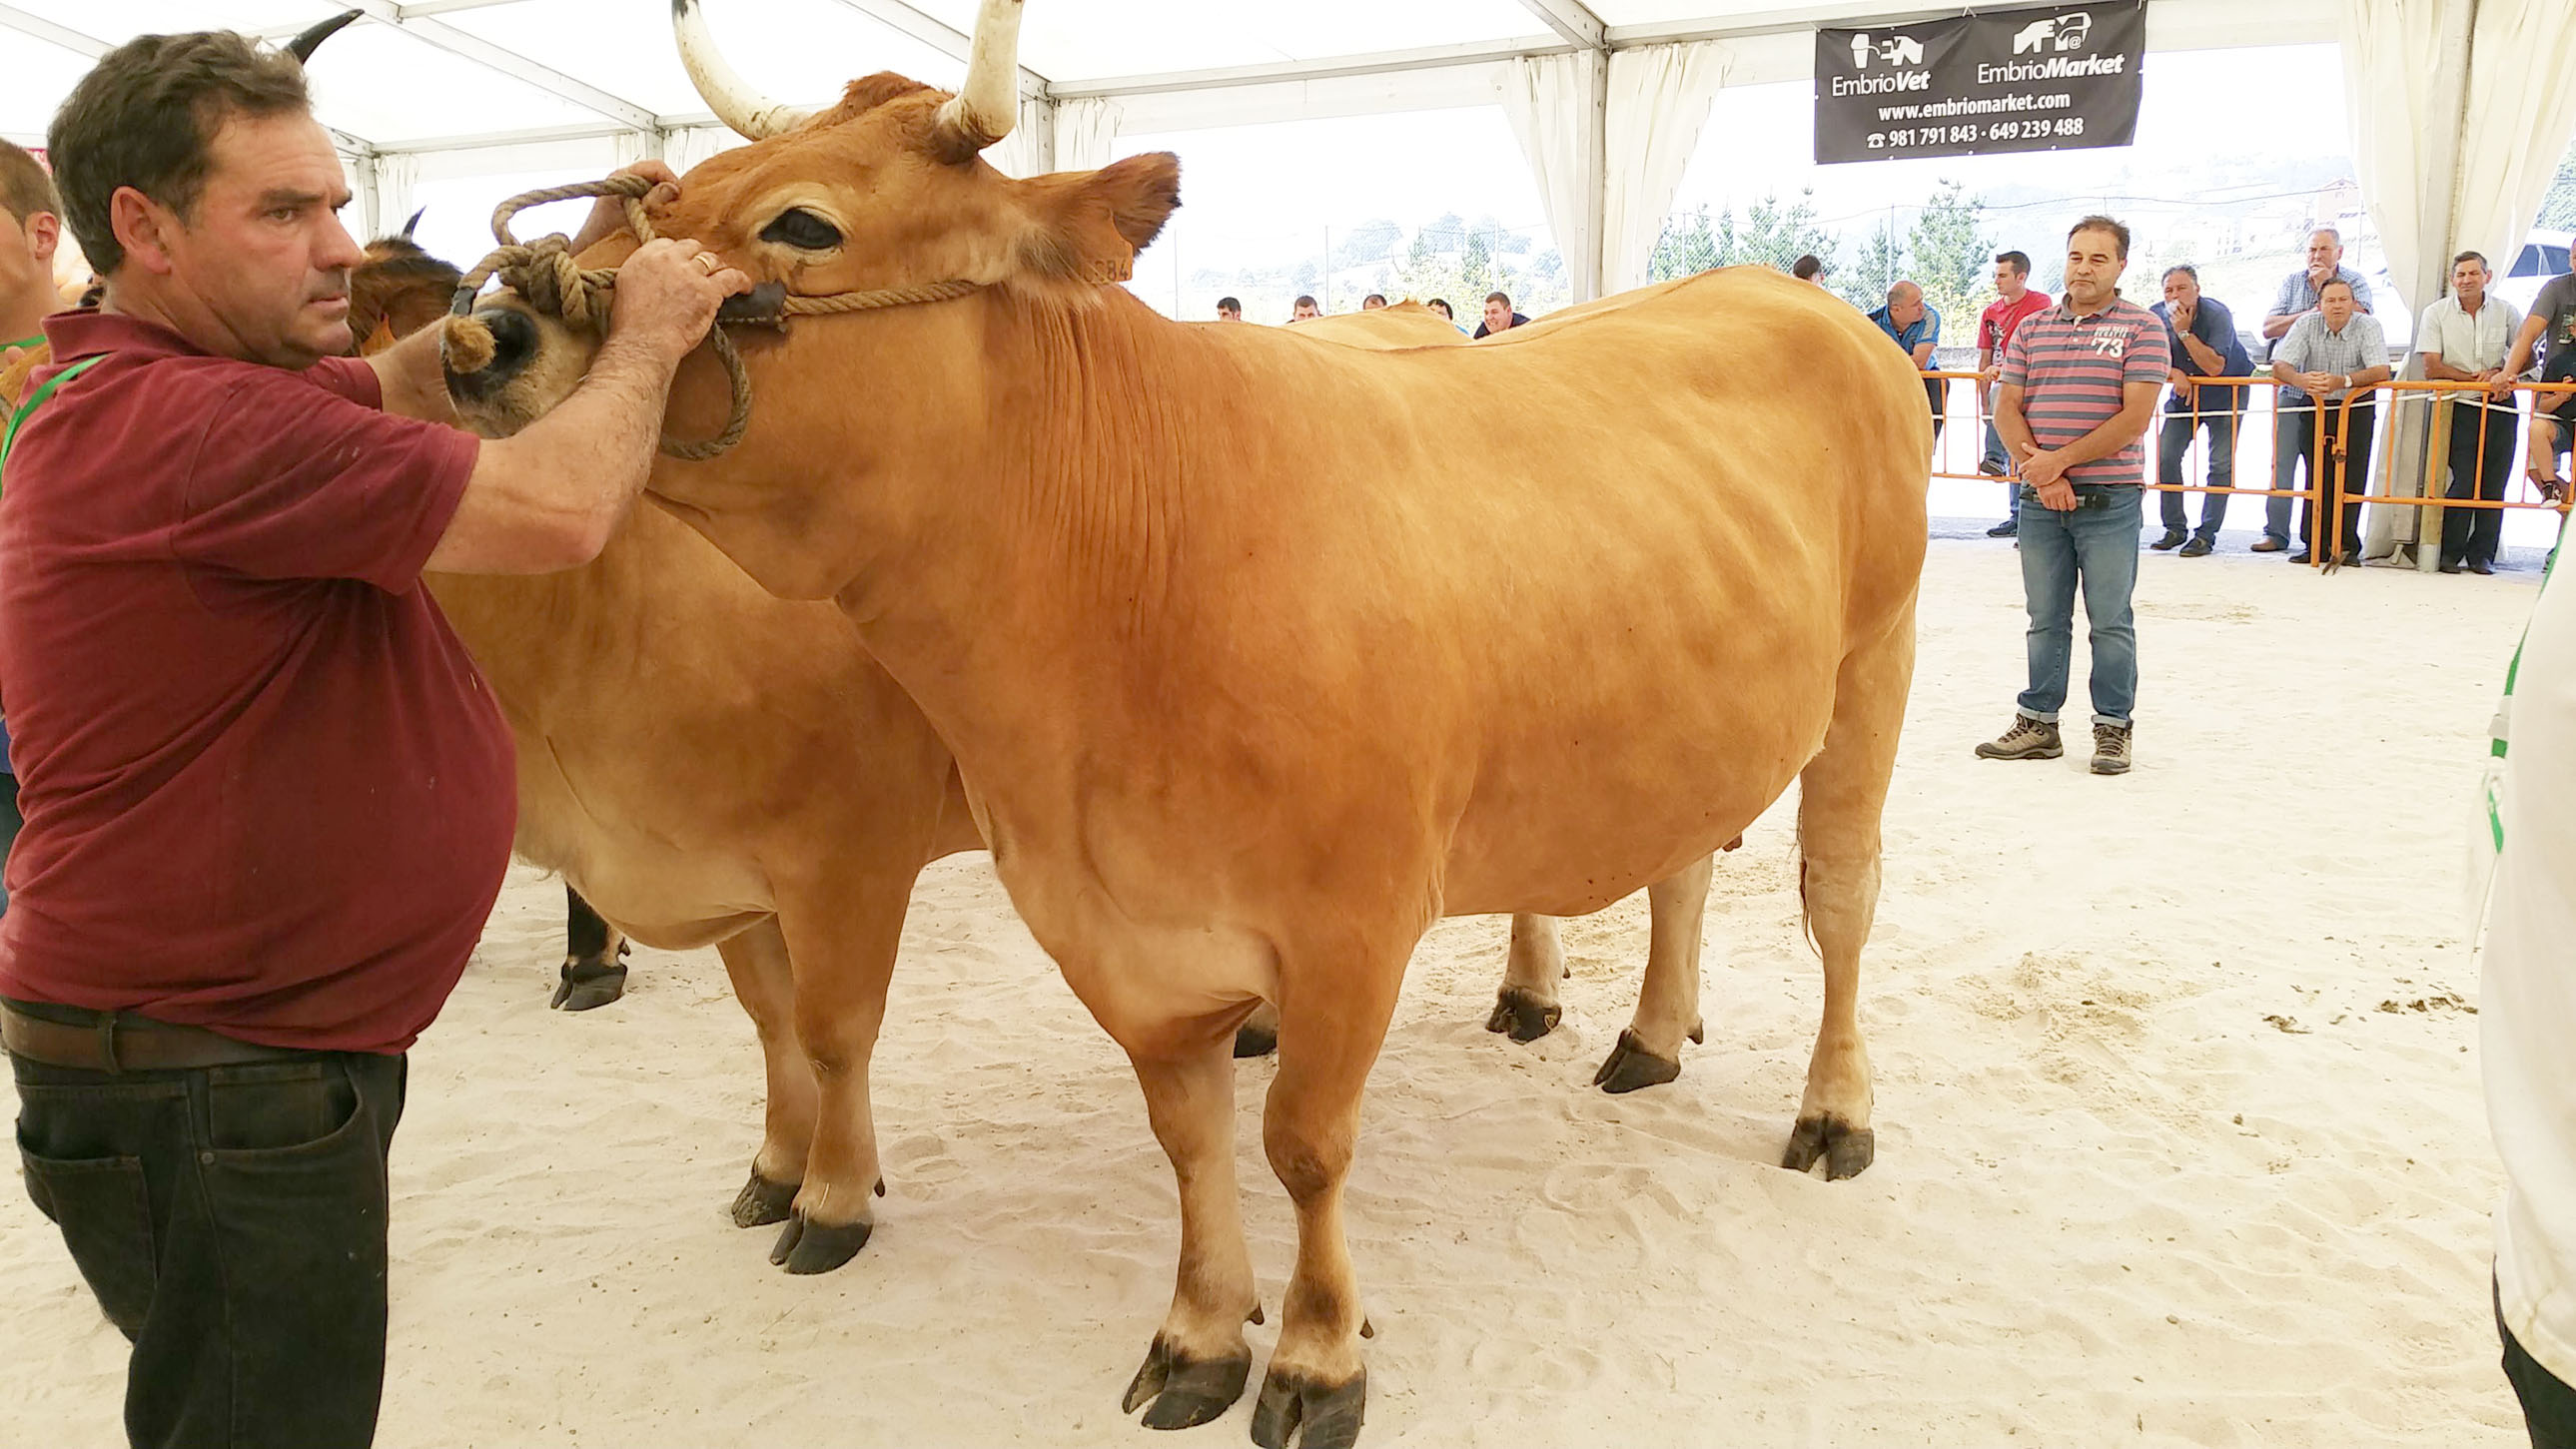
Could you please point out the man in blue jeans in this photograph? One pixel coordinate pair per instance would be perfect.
(2201, 335)
(2077, 388)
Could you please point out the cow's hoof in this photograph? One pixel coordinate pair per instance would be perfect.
(762, 1202)
(1330, 1413)
(1845, 1149)
(1185, 1391)
(1524, 1016)
(585, 986)
(1254, 1041)
(805, 1246)
(1630, 1066)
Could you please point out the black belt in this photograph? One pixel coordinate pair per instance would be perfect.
(117, 1041)
(2093, 495)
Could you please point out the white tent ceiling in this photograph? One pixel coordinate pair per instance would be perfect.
(439, 74)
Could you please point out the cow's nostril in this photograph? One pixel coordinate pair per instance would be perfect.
(514, 340)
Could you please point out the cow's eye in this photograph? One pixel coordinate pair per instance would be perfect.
(797, 227)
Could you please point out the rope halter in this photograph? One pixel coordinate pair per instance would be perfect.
(547, 277)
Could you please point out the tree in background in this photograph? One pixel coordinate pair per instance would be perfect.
(1881, 266)
(1370, 241)
(1952, 257)
(1776, 236)
(1772, 236)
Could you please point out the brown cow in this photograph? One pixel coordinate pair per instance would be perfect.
(1244, 700)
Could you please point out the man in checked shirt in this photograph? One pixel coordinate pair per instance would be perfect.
(2328, 353)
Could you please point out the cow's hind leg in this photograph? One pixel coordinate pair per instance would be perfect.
(594, 964)
(1332, 1021)
(756, 959)
(1650, 1050)
(1841, 794)
(1527, 1006)
(1199, 1361)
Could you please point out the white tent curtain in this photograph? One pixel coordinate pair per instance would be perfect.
(1030, 148)
(1660, 97)
(2459, 112)
(397, 179)
(686, 147)
(2523, 52)
(1549, 101)
(1086, 133)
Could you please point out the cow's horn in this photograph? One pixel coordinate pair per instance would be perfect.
(726, 93)
(303, 46)
(414, 222)
(988, 104)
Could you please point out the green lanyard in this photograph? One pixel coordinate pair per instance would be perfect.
(18, 419)
(2499, 733)
(34, 341)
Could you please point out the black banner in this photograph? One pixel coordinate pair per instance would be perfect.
(2004, 80)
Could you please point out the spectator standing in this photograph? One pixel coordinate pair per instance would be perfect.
(2073, 400)
(2550, 331)
(1229, 309)
(1915, 327)
(1374, 301)
(1305, 307)
(2466, 337)
(2200, 337)
(2328, 353)
(1441, 306)
(2014, 300)
(1809, 268)
(2299, 297)
(31, 228)
(1499, 316)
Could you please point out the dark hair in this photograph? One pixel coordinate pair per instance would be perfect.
(2186, 268)
(1229, 304)
(1443, 304)
(1806, 268)
(25, 189)
(2349, 288)
(1309, 301)
(1372, 297)
(2118, 232)
(1501, 297)
(2018, 261)
(2478, 257)
(146, 117)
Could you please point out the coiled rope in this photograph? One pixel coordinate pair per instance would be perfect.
(547, 277)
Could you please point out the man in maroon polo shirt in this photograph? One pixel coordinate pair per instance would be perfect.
(268, 799)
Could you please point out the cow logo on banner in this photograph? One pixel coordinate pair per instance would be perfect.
(2012, 80)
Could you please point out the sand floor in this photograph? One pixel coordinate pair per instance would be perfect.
(2179, 1131)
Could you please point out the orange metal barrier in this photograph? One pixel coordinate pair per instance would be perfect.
(1945, 448)
(2437, 454)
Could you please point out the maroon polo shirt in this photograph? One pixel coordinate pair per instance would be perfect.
(266, 791)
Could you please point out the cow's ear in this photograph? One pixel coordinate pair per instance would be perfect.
(1087, 226)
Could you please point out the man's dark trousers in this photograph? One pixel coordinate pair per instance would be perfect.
(231, 1221)
(2315, 434)
(2172, 449)
(2480, 459)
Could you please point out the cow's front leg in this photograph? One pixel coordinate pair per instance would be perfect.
(594, 964)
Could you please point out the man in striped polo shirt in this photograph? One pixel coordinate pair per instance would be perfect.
(2076, 392)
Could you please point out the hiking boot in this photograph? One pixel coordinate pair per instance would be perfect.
(2028, 739)
(2110, 749)
(2269, 544)
(1990, 467)
(2197, 548)
(2006, 529)
(2170, 542)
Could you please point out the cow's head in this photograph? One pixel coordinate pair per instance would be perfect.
(886, 189)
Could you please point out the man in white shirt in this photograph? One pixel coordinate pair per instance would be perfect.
(2465, 337)
(2329, 354)
(2527, 1016)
